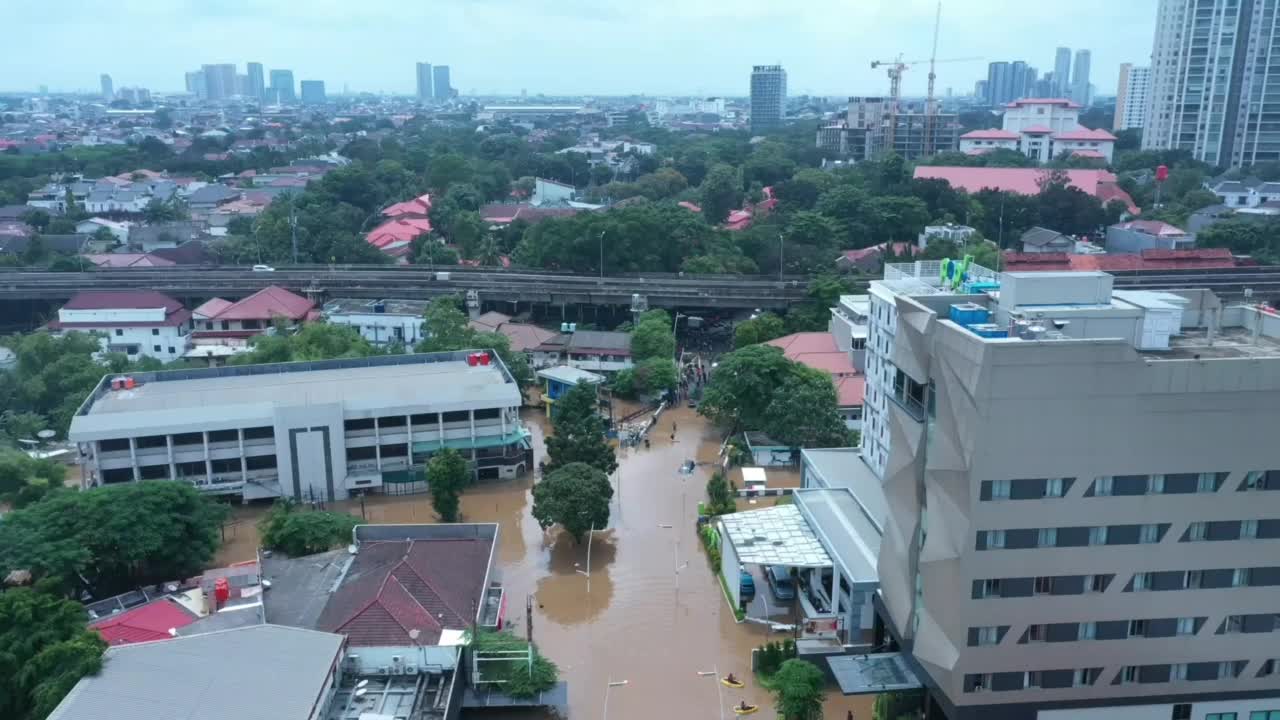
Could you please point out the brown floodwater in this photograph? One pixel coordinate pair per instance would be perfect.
(653, 616)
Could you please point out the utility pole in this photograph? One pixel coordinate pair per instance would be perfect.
(781, 258)
(602, 232)
(293, 230)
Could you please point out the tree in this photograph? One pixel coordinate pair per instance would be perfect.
(114, 538)
(761, 328)
(656, 375)
(739, 391)
(653, 338)
(45, 649)
(104, 236)
(721, 192)
(797, 690)
(446, 329)
(315, 341)
(298, 532)
(574, 496)
(24, 479)
(578, 432)
(803, 412)
(36, 218)
(1244, 236)
(52, 376)
(720, 498)
(447, 475)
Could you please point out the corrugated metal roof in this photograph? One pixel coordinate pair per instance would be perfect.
(266, 672)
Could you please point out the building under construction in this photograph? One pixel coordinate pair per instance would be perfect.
(870, 130)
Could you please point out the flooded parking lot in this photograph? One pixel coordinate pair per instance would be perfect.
(654, 615)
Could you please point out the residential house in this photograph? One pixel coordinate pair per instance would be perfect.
(395, 236)
(418, 207)
(1043, 240)
(124, 260)
(848, 327)
(561, 379)
(523, 337)
(1150, 259)
(210, 197)
(381, 322)
(160, 619)
(93, 225)
(164, 235)
(596, 350)
(871, 259)
(1138, 235)
(137, 323)
(231, 325)
(821, 351)
(957, 234)
(1246, 193)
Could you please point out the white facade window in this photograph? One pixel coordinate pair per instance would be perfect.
(1248, 529)
(1102, 486)
(1240, 577)
(1031, 679)
(1080, 678)
(1048, 537)
(988, 635)
(1087, 631)
(1137, 628)
(1178, 672)
(995, 539)
(1036, 633)
(1129, 674)
(981, 682)
(1197, 531)
(1000, 489)
(1233, 624)
(1148, 534)
(1141, 581)
(1095, 583)
(1255, 480)
(1194, 580)
(1186, 626)
(1226, 669)
(1155, 484)
(1207, 482)
(1053, 487)
(1043, 585)
(990, 588)
(1098, 535)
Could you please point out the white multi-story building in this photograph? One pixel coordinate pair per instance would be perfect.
(136, 323)
(1214, 81)
(1133, 94)
(1042, 129)
(305, 430)
(381, 322)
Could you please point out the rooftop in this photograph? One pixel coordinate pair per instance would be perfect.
(157, 620)
(849, 530)
(266, 672)
(570, 375)
(777, 535)
(362, 306)
(235, 394)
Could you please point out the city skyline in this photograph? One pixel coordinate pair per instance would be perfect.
(753, 32)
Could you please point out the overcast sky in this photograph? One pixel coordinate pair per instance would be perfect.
(560, 46)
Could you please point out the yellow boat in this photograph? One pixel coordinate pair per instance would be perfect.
(732, 683)
(738, 710)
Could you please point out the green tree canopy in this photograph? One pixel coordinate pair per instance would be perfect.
(764, 327)
(653, 338)
(297, 532)
(578, 432)
(445, 329)
(45, 649)
(574, 496)
(447, 475)
(24, 479)
(720, 193)
(315, 341)
(802, 412)
(740, 389)
(115, 538)
(798, 690)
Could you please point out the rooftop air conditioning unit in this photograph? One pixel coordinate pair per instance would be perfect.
(383, 670)
(410, 669)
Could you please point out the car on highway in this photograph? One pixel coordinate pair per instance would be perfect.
(779, 579)
(263, 268)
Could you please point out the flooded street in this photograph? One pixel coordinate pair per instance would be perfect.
(653, 616)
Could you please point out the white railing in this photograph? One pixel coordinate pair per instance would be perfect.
(924, 277)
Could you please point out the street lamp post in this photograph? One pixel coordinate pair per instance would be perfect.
(602, 232)
(781, 259)
(612, 684)
(715, 673)
(590, 536)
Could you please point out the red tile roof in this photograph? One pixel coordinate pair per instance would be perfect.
(1199, 259)
(119, 260)
(991, 134)
(267, 303)
(689, 206)
(851, 391)
(1026, 181)
(211, 308)
(417, 207)
(406, 592)
(121, 299)
(399, 231)
(147, 623)
(1083, 133)
(1153, 227)
(818, 350)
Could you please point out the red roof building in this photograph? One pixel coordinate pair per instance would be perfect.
(818, 350)
(1154, 259)
(157, 620)
(407, 592)
(417, 207)
(394, 237)
(222, 322)
(1026, 181)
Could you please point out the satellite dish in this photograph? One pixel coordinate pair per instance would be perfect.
(46, 434)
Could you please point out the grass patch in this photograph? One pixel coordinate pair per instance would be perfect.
(738, 614)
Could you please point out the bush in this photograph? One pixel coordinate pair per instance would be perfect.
(297, 533)
(720, 494)
(520, 681)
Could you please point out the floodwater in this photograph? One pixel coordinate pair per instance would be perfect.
(651, 614)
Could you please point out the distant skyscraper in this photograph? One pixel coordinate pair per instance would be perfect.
(195, 83)
(1009, 81)
(1080, 78)
(242, 85)
(282, 84)
(440, 80)
(424, 82)
(312, 92)
(768, 97)
(1062, 73)
(256, 85)
(219, 81)
(1133, 93)
(108, 92)
(1210, 89)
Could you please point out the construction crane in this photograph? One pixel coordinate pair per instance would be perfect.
(899, 66)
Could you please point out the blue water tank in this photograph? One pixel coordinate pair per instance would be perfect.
(969, 314)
